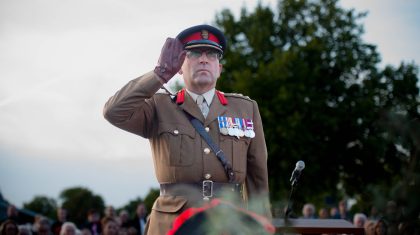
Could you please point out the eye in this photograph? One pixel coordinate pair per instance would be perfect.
(212, 54)
(194, 54)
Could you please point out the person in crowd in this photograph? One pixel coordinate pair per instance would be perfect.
(93, 222)
(132, 231)
(68, 228)
(124, 219)
(334, 214)
(25, 229)
(323, 213)
(13, 213)
(42, 226)
(110, 212)
(343, 211)
(204, 142)
(85, 231)
(370, 227)
(374, 213)
(359, 220)
(110, 226)
(308, 211)
(411, 227)
(392, 217)
(9, 227)
(140, 219)
(61, 218)
(381, 227)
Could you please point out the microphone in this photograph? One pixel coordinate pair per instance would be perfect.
(300, 165)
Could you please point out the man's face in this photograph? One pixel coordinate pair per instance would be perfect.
(69, 231)
(61, 214)
(201, 69)
(111, 228)
(141, 210)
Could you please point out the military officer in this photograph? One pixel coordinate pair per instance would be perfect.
(190, 171)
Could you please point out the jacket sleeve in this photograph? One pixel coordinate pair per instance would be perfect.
(257, 173)
(132, 108)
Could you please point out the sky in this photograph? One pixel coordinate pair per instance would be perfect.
(60, 61)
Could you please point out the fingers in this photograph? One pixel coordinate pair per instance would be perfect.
(171, 59)
(181, 57)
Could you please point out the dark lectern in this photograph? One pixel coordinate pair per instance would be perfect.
(316, 226)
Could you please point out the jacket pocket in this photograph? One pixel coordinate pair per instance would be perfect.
(169, 204)
(235, 151)
(179, 142)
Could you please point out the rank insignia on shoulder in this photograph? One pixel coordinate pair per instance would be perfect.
(238, 127)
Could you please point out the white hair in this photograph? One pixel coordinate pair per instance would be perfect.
(308, 206)
(67, 225)
(25, 229)
(359, 218)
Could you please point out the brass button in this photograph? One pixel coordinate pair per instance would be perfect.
(206, 150)
(176, 132)
(207, 176)
(207, 129)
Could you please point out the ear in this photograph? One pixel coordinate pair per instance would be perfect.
(220, 69)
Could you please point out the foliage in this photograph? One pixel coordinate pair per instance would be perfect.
(176, 86)
(148, 201)
(42, 205)
(131, 206)
(78, 201)
(324, 100)
(150, 198)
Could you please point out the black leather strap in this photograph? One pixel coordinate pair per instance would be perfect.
(219, 153)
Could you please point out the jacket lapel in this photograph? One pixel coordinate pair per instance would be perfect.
(191, 107)
(216, 109)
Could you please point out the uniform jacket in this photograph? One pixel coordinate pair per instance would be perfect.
(178, 151)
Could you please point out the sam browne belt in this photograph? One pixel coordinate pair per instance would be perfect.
(215, 148)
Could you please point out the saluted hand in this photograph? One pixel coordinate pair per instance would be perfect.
(171, 59)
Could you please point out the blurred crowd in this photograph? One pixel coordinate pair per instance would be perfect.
(374, 223)
(109, 224)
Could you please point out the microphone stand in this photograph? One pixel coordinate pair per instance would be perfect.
(289, 202)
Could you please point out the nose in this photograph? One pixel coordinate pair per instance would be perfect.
(203, 58)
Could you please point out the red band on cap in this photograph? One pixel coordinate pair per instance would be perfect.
(198, 36)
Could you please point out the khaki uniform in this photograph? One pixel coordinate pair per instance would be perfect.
(180, 154)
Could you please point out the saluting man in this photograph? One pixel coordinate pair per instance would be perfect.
(191, 169)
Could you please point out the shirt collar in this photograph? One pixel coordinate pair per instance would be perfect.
(208, 96)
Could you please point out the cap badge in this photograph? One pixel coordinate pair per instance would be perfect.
(204, 34)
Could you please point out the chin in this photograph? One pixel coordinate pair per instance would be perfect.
(205, 83)
(204, 79)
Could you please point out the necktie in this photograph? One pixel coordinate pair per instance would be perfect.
(202, 104)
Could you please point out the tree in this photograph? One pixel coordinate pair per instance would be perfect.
(78, 201)
(150, 198)
(42, 205)
(148, 201)
(131, 206)
(324, 100)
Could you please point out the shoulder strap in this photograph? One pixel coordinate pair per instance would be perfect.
(219, 153)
